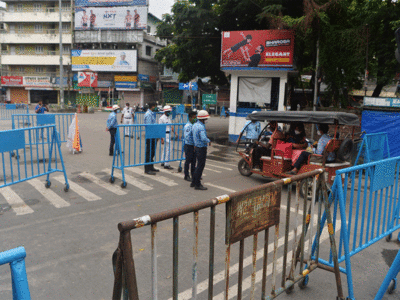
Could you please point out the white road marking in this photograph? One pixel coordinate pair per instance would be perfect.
(15, 201)
(81, 191)
(219, 187)
(228, 169)
(203, 286)
(108, 186)
(220, 162)
(51, 196)
(161, 179)
(212, 170)
(134, 181)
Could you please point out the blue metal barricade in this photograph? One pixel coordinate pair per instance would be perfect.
(61, 120)
(374, 147)
(365, 200)
(131, 152)
(7, 110)
(33, 161)
(390, 282)
(16, 258)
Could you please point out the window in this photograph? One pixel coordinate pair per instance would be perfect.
(65, 6)
(37, 7)
(20, 7)
(38, 28)
(21, 49)
(21, 69)
(65, 27)
(10, 7)
(148, 50)
(65, 49)
(20, 28)
(39, 49)
(39, 69)
(148, 29)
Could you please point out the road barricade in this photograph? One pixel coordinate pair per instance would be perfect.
(373, 147)
(176, 117)
(132, 142)
(61, 120)
(36, 148)
(389, 284)
(255, 213)
(7, 110)
(367, 197)
(16, 258)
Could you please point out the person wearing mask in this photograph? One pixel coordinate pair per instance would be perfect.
(150, 118)
(201, 141)
(190, 158)
(165, 153)
(112, 127)
(297, 136)
(40, 108)
(127, 118)
(252, 129)
(322, 130)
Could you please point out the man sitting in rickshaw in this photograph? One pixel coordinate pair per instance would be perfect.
(322, 130)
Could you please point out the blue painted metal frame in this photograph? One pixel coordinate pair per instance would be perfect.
(375, 199)
(390, 276)
(372, 147)
(61, 120)
(131, 152)
(31, 160)
(8, 110)
(16, 259)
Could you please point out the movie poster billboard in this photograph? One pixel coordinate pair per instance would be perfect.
(104, 60)
(117, 17)
(257, 49)
(110, 2)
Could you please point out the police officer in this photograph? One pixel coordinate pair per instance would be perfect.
(165, 154)
(150, 118)
(190, 158)
(252, 129)
(201, 141)
(127, 118)
(112, 127)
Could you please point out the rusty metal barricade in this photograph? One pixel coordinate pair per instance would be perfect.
(252, 212)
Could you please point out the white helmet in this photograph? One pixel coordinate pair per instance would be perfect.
(255, 111)
(203, 114)
(115, 107)
(167, 108)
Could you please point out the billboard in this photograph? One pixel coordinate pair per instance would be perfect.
(125, 82)
(12, 80)
(87, 79)
(117, 17)
(37, 81)
(257, 49)
(104, 60)
(110, 2)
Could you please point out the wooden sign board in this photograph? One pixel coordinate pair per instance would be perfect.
(252, 211)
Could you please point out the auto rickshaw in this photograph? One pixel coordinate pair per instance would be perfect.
(277, 165)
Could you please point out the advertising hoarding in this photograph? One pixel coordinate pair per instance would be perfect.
(188, 86)
(12, 80)
(110, 2)
(257, 49)
(104, 60)
(125, 82)
(87, 79)
(117, 17)
(37, 81)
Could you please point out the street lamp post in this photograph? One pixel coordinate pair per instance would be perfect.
(61, 56)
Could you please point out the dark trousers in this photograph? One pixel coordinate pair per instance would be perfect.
(112, 131)
(201, 155)
(190, 159)
(302, 159)
(150, 153)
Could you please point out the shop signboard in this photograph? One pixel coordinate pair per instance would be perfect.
(110, 2)
(116, 17)
(382, 101)
(143, 77)
(125, 82)
(37, 81)
(12, 80)
(104, 60)
(209, 99)
(87, 79)
(257, 49)
(188, 86)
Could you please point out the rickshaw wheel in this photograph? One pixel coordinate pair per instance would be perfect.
(304, 189)
(244, 168)
(345, 150)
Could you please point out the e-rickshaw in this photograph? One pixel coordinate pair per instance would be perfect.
(277, 165)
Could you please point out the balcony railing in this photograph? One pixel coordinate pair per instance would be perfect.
(42, 10)
(45, 52)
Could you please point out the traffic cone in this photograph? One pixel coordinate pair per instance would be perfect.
(77, 144)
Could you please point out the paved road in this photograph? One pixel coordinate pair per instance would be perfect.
(70, 237)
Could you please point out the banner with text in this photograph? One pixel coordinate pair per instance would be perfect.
(257, 49)
(125, 82)
(37, 81)
(117, 17)
(110, 2)
(87, 79)
(12, 80)
(104, 60)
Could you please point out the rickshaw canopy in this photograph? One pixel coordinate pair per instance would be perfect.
(316, 117)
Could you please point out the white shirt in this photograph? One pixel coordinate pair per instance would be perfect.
(127, 112)
(165, 120)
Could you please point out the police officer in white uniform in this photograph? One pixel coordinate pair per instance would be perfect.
(127, 118)
(165, 153)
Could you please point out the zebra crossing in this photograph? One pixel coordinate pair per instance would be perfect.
(135, 177)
